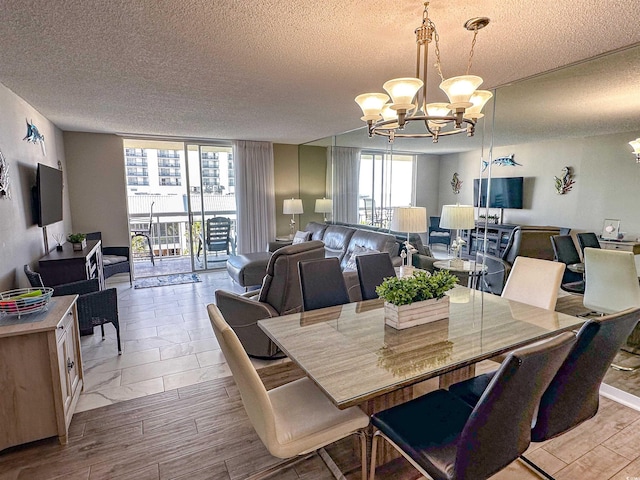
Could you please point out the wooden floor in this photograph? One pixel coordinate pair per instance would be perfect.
(202, 432)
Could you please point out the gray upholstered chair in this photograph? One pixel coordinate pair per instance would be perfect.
(322, 284)
(566, 252)
(372, 270)
(587, 240)
(445, 438)
(280, 294)
(292, 420)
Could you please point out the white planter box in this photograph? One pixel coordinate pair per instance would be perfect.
(417, 313)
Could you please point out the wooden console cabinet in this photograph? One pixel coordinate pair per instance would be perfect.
(70, 265)
(41, 373)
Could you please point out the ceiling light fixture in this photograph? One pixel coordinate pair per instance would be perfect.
(635, 144)
(409, 95)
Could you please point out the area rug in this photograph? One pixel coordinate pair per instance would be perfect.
(164, 280)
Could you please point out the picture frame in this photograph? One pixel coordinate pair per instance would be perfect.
(610, 229)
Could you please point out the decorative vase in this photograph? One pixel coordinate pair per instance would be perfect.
(417, 313)
(79, 246)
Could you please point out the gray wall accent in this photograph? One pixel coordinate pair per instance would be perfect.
(428, 184)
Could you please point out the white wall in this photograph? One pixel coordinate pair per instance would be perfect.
(21, 240)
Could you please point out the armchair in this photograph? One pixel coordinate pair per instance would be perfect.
(437, 234)
(280, 294)
(95, 306)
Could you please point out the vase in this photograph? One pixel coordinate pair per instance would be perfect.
(417, 313)
(80, 245)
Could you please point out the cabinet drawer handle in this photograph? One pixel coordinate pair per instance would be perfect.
(61, 327)
(70, 364)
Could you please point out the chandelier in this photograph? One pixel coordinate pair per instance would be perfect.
(409, 95)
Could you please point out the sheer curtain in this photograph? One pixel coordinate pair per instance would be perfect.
(345, 165)
(255, 195)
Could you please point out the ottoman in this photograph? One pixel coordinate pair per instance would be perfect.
(248, 269)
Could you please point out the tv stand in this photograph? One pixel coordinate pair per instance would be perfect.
(69, 265)
(497, 233)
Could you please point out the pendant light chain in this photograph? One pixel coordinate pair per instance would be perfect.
(473, 46)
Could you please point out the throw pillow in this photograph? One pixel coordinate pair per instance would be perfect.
(300, 237)
(358, 250)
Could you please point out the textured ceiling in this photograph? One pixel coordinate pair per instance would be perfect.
(284, 71)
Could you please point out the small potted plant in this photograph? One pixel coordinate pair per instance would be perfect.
(416, 299)
(78, 240)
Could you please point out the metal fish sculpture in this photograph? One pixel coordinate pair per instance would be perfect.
(456, 183)
(507, 161)
(565, 183)
(34, 136)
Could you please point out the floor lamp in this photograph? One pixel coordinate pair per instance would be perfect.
(410, 220)
(457, 217)
(292, 207)
(324, 206)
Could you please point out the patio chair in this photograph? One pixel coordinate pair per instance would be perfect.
(216, 236)
(146, 233)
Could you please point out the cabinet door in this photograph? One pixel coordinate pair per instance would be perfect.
(68, 363)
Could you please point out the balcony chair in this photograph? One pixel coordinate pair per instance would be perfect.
(95, 306)
(534, 282)
(573, 395)
(280, 294)
(146, 233)
(294, 420)
(216, 236)
(114, 259)
(372, 270)
(445, 438)
(437, 234)
(588, 239)
(566, 252)
(322, 284)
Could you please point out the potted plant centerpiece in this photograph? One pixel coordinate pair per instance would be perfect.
(78, 240)
(416, 299)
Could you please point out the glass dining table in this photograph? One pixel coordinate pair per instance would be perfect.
(354, 358)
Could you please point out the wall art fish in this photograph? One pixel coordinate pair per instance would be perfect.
(34, 136)
(507, 161)
(564, 183)
(456, 183)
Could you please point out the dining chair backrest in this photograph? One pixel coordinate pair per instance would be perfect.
(574, 393)
(218, 234)
(322, 284)
(493, 278)
(534, 281)
(566, 252)
(372, 270)
(499, 428)
(587, 240)
(611, 280)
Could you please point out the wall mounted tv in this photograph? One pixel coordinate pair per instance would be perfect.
(505, 192)
(48, 195)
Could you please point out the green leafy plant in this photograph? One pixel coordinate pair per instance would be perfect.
(420, 286)
(76, 237)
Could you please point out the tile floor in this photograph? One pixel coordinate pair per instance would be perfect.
(167, 342)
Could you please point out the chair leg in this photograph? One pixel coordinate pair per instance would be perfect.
(150, 249)
(535, 468)
(116, 324)
(374, 452)
(102, 331)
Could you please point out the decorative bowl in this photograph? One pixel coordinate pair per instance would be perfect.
(23, 301)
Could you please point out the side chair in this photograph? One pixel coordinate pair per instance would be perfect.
(372, 270)
(572, 397)
(534, 281)
(565, 251)
(114, 259)
(587, 240)
(294, 420)
(322, 284)
(445, 438)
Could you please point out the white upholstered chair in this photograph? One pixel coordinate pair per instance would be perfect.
(535, 282)
(292, 420)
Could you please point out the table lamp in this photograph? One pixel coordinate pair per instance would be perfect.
(410, 220)
(457, 217)
(324, 205)
(292, 207)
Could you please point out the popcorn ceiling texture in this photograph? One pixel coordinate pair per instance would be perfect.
(280, 70)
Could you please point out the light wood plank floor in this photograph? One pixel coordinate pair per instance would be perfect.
(202, 432)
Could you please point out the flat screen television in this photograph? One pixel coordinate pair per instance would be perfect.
(505, 192)
(48, 195)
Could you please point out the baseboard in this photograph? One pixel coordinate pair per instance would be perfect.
(620, 396)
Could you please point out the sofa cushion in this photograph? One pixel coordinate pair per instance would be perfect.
(300, 237)
(351, 266)
(336, 240)
(317, 230)
(382, 242)
(113, 259)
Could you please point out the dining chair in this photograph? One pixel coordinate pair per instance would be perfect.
(114, 259)
(322, 284)
(534, 281)
(445, 438)
(566, 252)
(572, 397)
(587, 240)
(497, 271)
(372, 270)
(293, 420)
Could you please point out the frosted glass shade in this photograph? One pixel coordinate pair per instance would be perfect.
(459, 90)
(635, 144)
(479, 100)
(438, 110)
(457, 217)
(371, 105)
(402, 91)
(409, 219)
(389, 113)
(323, 205)
(292, 206)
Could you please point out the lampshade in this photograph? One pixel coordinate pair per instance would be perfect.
(459, 90)
(438, 110)
(402, 91)
(371, 104)
(409, 219)
(324, 205)
(479, 99)
(292, 206)
(457, 217)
